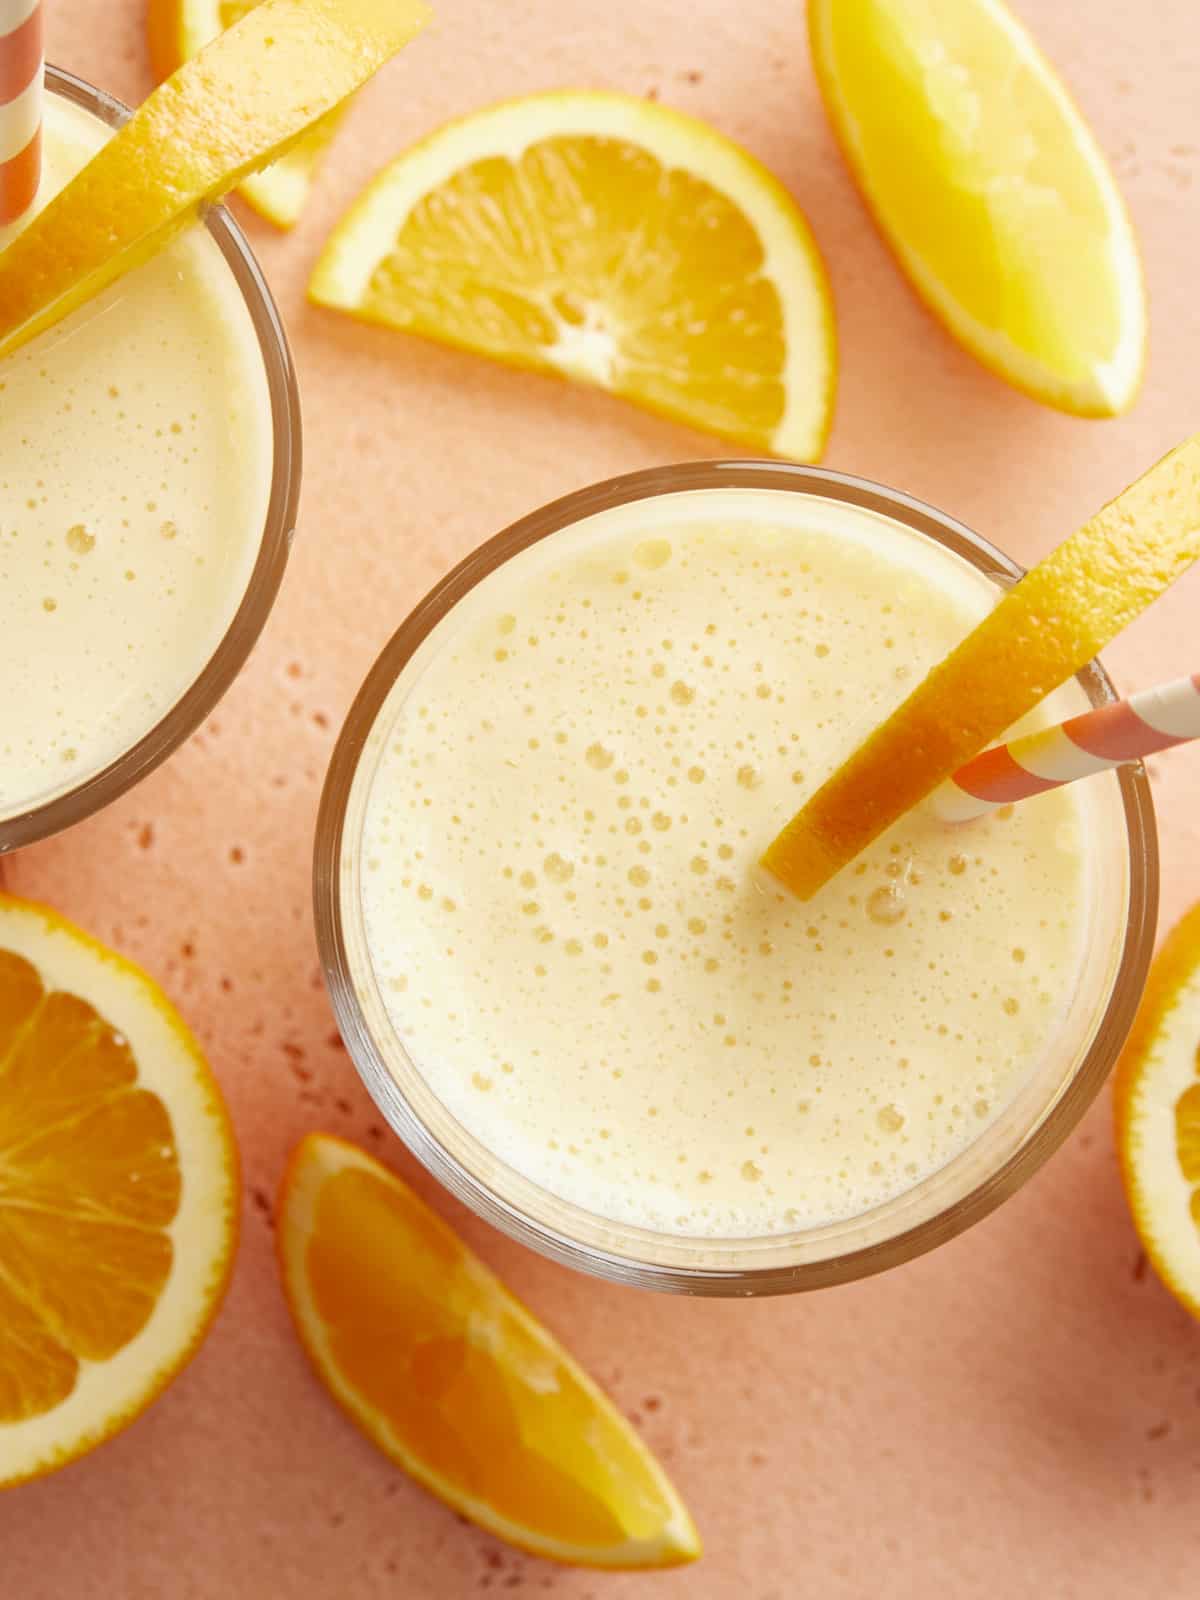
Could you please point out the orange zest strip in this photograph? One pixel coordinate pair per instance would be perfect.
(1043, 631)
(238, 105)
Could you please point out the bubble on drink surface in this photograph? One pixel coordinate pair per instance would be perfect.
(652, 553)
(890, 1118)
(751, 1171)
(80, 540)
(886, 904)
(557, 868)
(169, 530)
(957, 864)
(49, 603)
(682, 693)
(598, 757)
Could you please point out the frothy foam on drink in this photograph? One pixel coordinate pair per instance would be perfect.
(575, 776)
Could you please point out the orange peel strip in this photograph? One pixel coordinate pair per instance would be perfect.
(235, 107)
(1043, 631)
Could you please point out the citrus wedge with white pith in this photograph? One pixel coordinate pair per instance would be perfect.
(178, 30)
(990, 188)
(607, 239)
(237, 106)
(118, 1192)
(454, 1380)
(1062, 613)
(1156, 1104)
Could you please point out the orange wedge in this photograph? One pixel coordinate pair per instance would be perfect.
(118, 1192)
(1156, 1102)
(1045, 629)
(238, 105)
(178, 30)
(991, 190)
(454, 1380)
(609, 240)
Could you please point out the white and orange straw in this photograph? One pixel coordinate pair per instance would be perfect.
(1126, 730)
(21, 55)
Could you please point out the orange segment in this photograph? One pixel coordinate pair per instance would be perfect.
(455, 1381)
(235, 107)
(1156, 1104)
(1045, 629)
(610, 240)
(991, 189)
(118, 1192)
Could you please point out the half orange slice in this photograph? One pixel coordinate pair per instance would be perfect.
(118, 1192)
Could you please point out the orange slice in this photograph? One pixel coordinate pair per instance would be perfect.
(1156, 1102)
(118, 1192)
(610, 240)
(1052, 623)
(178, 30)
(455, 1381)
(238, 105)
(992, 191)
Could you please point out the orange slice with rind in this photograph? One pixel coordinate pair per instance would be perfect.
(1156, 1105)
(610, 240)
(180, 29)
(237, 106)
(118, 1192)
(991, 190)
(1041, 632)
(455, 1381)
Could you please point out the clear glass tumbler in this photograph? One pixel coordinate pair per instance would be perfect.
(71, 805)
(1008, 1151)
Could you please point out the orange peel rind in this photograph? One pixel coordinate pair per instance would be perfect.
(237, 106)
(1044, 630)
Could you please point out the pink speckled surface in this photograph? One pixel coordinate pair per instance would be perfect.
(1015, 1415)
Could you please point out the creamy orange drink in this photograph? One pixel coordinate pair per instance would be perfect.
(561, 930)
(136, 462)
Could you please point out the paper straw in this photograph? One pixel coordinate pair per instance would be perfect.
(20, 106)
(1124, 731)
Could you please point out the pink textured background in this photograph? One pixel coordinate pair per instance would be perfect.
(1018, 1414)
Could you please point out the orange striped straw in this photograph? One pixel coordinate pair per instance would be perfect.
(20, 106)
(1124, 731)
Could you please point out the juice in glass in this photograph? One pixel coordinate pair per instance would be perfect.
(148, 455)
(559, 965)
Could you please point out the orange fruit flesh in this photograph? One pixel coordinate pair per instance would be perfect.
(691, 286)
(456, 1381)
(1156, 1105)
(89, 1182)
(1043, 631)
(728, 377)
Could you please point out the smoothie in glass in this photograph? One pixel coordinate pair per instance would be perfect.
(138, 467)
(560, 928)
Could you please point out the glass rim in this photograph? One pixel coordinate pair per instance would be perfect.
(279, 526)
(1064, 1113)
